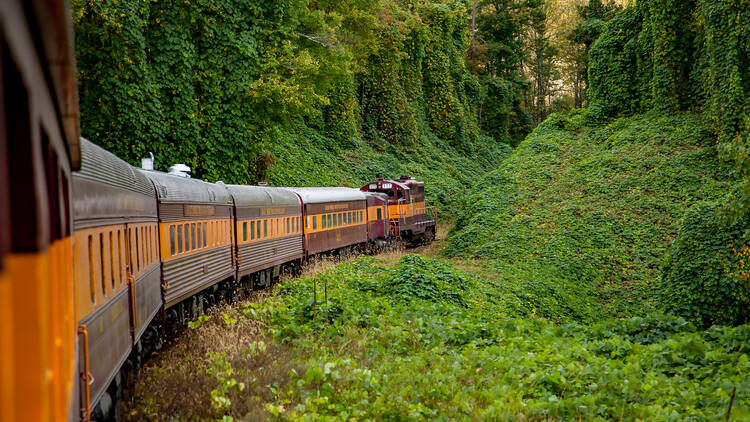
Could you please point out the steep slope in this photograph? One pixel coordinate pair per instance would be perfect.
(581, 215)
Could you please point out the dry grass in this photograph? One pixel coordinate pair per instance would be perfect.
(176, 386)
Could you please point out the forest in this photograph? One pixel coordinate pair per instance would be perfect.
(591, 159)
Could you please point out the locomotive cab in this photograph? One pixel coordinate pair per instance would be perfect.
(408, 216)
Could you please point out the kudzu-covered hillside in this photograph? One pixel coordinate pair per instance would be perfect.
(293, 92)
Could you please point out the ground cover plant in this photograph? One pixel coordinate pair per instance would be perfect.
(585, 213)
(424, 340)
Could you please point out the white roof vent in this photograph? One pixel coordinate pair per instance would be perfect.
(180, 170)
(148, 163)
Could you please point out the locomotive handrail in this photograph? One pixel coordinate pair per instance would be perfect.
(85, 414)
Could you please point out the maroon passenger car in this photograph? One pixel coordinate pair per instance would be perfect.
(334, 218)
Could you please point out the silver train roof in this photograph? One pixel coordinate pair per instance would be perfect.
(100, 165)
(175, 188)
(333, 194)
(246, 195)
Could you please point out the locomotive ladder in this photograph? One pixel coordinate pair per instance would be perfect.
(396, 228)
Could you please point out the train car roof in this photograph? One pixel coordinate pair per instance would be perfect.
(246, 195)
(184, 189)
(378, 195)
(333, 194)
(100, 165)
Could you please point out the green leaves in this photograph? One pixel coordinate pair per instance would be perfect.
(704, 278)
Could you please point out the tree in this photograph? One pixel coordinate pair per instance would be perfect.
(593, 16)
(497, 56)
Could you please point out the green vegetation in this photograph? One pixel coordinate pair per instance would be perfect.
(584, 214)
(422, 340)
(295, 92)
(599, 271)
(673, 56)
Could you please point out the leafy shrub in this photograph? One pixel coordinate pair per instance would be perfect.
(702, 280)
(417, 277)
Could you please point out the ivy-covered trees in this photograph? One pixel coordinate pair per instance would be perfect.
(670, 56)
(212, 82)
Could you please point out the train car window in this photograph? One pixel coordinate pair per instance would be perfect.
(265, 228)
(142, 244)
(205, 242)
(119, 254)
(192, 237)
(322, 221)
(244, 231)
(146, 246)
(257, 228)
(92, 271)
(200, 241)
(315, 222)
(153, 241)
(252, 230)
(288, 225)
(137, 252)
(186, 227)
(112, 257)
(361, 216)
(179, 239)
(380, 213)
(101, 262)
(330, 219)
(341, 219)
(171, 240)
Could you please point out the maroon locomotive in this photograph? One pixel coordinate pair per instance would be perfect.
(409, 218)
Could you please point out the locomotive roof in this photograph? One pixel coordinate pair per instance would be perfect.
(184, 189)
(245, 195)
(100, 165)
(332, 194)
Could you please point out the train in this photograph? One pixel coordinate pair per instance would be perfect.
(101, 261)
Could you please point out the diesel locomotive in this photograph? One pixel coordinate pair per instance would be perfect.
(101, 261)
